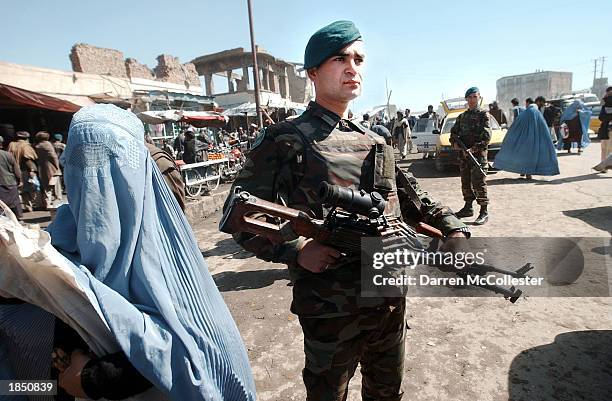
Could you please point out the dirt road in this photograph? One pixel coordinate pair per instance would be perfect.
(475, 349)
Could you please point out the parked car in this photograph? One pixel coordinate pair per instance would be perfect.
(423, 136)
(446, 156)
(595, 122)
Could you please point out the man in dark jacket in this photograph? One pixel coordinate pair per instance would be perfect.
(10, 180)
(48, 169)
(552, 115)
(497, 113)
(605, 116)
(193, 148)
(170, 171)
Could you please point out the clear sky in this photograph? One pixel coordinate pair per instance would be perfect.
(425, 49)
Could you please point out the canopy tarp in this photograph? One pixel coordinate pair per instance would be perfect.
(249, 108)
(13, 96)
(243, 109)
(196, 118)
(159, 117)
(204, 118)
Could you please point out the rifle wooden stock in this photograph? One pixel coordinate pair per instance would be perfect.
(244, 210)
(249, 214)
(428, 230)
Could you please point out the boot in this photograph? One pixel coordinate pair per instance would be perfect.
(483, 216)
(466, 211)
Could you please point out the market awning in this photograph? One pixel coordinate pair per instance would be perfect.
(13, 96)
(198, 119)
(248, 109)
(204, 118)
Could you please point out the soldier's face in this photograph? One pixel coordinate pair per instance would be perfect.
(473, 99)
(339, 77)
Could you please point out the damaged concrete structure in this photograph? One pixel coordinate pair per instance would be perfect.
(97, 60)
(280, 80)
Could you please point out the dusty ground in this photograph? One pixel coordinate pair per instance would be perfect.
(457, 348)
(472, 349)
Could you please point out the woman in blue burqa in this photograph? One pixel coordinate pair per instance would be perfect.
(160, 319)
(577, 118)
(527, 147)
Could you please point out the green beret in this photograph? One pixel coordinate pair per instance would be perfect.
(328, 41)
(473, 89)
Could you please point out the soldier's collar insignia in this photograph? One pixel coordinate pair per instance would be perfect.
(329, 117)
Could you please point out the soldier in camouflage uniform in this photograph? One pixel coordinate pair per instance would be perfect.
(472, 127)
(286, 165)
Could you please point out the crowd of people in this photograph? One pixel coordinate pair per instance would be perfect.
(192, 143)
(31, 170)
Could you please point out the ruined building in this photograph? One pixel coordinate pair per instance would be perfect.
(97, 60)
(280, 80)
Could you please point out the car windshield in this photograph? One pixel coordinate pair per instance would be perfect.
(448, 124)
(425, 125)
(493, 123)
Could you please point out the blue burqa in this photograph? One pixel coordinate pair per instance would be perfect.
(577, 108)
(527, 147)
(135, 254)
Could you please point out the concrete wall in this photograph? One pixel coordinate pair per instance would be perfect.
(76, 87)
(549, 84)
(599, 86)
(63, 83)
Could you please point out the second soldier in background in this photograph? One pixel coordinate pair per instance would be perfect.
(472, 127)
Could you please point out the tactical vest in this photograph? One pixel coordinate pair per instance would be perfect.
(344, 157)
(471, 125)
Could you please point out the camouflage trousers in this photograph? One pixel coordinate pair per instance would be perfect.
(335, 346)
(473, 183)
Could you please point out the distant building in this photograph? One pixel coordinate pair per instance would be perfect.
(550, 84)
(599, 86)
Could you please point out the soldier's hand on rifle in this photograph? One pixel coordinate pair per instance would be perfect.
(456, 242)
(316, 257)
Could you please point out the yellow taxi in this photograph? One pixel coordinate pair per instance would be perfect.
(446, 156)
(595, 122)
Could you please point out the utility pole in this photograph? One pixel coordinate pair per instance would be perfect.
(603, 60)
(255, 67)
(595, 70)
(388, 98)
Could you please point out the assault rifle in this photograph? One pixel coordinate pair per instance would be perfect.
(353, 215)
(470, 155)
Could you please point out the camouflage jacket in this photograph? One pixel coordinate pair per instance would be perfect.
(472, 126)
(286, 164)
